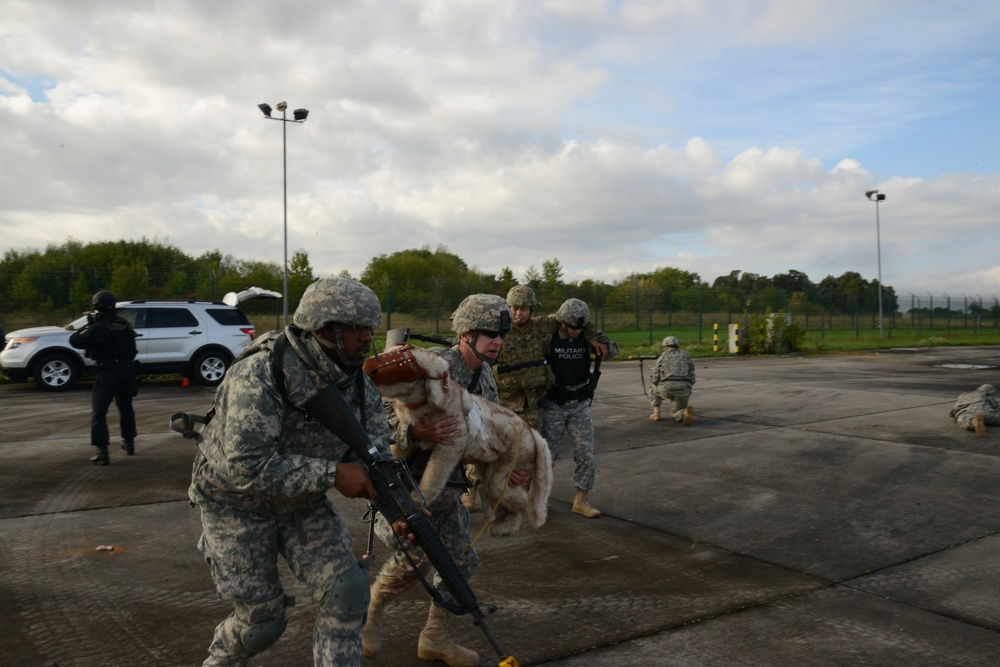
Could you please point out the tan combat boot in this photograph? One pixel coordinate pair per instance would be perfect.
(371, 636)
(688, 415)
(581, 506)
(435, 645)
(656, 413)
(979, 423)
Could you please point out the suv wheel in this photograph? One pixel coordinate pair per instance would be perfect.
(56, 372)
(210, 367)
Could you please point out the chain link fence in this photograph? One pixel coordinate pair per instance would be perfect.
(59, 295)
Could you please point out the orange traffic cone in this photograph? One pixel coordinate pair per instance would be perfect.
(185, 382)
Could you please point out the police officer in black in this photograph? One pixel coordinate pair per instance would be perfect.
(110, 341)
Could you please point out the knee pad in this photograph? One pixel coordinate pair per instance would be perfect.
(259, 636)
(348, 595)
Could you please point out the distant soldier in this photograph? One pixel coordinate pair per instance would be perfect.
(672, 378)
(974, 410)
(110, 341)
(522, 374)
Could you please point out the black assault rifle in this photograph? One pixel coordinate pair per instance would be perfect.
(395, 486)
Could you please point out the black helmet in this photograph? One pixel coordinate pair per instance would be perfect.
(103, 301)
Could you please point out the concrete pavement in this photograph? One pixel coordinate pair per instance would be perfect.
(821, 510)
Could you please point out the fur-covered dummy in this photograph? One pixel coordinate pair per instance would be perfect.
(418, 383)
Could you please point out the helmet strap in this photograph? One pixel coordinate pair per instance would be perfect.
(472, 347)
(339, 356)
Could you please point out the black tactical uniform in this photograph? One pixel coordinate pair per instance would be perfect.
(110, 341)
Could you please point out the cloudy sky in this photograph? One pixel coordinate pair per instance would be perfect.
(615, 136)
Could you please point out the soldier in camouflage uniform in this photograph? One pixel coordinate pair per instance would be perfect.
(672, 379)
(566, 406)
(481, 321)
(263, 471)
(522, 387)
(975, 410)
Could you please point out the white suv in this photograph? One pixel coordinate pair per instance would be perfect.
(198, 339)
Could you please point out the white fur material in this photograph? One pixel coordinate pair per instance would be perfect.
(491, 436)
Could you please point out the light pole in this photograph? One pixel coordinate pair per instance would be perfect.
(876, 197)
(298, 116)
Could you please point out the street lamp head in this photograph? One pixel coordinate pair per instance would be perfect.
(300, 114)
(282, 106)
(266, 108)
(877, 196)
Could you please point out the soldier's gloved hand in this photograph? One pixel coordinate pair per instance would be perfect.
(352, 481)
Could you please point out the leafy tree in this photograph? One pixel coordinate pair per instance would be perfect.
(533, 277)
(421, 280)
(506, 280)
(793, 281)
(300, 276)
(129, 281)
(552, 274)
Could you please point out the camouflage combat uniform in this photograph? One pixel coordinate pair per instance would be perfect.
(982, 400)
(521, 390)
(261, 479)
(449, 517)
(672, 378)
(566, 406)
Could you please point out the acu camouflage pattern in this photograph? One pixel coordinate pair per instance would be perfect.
(260, 479)
(448, 516)
(983, 400)
(480, 311)
(672, 378)
(337, 299)
(521, 390)
(573, 419)
(574, 312)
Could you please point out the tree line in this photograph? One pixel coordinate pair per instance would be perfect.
(62, 278)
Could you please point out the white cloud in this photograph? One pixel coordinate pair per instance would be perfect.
(618, 138)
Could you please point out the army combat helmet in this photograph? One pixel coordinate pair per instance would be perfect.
(522, 296)
(482, 313)
(574, 313)
(340, 301)
(671, 341)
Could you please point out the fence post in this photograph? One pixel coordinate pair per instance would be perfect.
(388, 303)
(649, 301)
(437, 304)
(635, 281)
(701, 293)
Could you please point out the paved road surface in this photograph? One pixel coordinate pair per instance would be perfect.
(821, 511)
